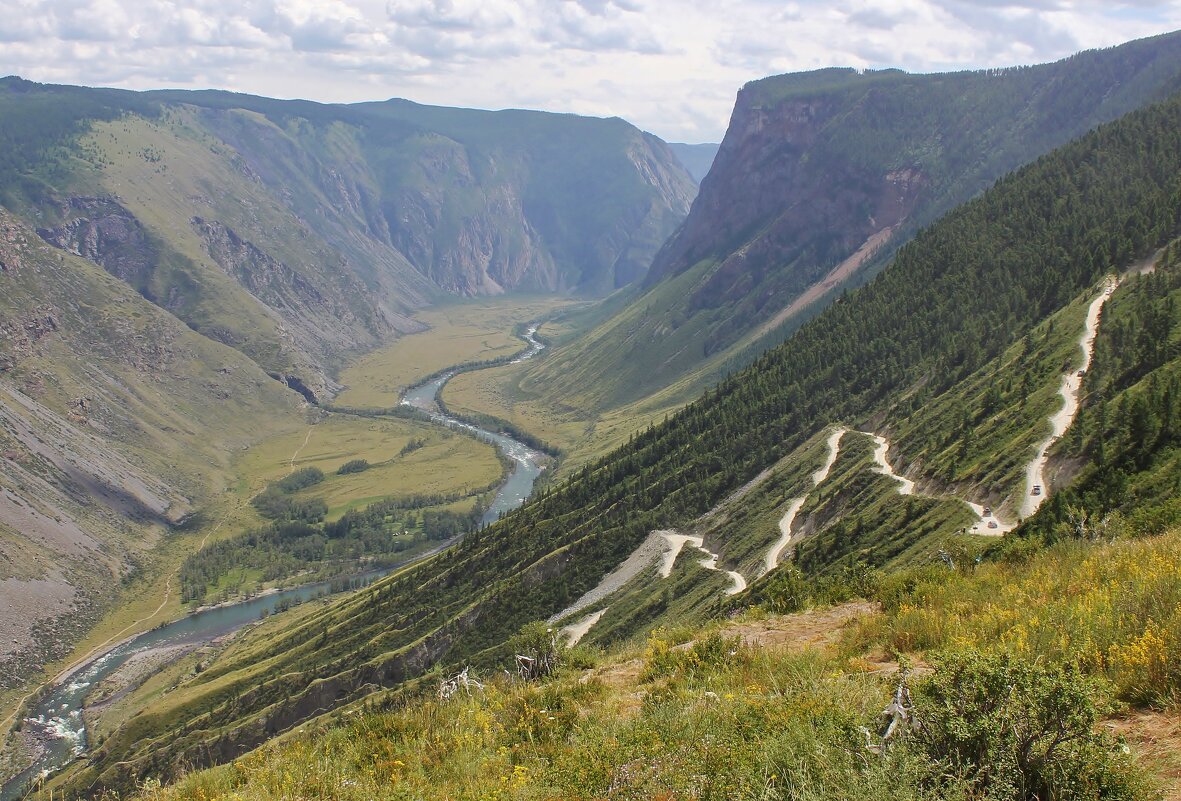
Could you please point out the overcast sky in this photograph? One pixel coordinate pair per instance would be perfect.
(670, 67)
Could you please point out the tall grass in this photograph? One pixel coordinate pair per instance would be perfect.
(713, 721)
(1114, 610)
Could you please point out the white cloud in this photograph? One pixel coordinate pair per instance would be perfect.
(670, 66)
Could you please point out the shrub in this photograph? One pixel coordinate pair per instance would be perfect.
(412, 446)
(538, 650)
(703, 656)
(1014, 729)
(788, 589)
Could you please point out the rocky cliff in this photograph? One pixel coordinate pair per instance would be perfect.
(820, 177)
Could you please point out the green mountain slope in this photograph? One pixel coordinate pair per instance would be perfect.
(301, 233)
(1012, 654)
(952, 301)
(820, 178)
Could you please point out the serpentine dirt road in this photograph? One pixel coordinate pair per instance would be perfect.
(1060, 422)
(667, 545)
(771, 560)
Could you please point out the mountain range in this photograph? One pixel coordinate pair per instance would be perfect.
(300, 233)
(904, 315)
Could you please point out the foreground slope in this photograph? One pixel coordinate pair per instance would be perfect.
(820, 178)
(790, 705)
(301, 233)
(958, 296)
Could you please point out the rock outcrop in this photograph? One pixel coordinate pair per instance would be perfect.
(106, 233)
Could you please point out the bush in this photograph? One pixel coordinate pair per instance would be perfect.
(703, 656)
(1019, 730)
(354, 466)
(412, 446)
(787, 589)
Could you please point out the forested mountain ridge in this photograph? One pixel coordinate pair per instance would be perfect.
(820, 177)
(958, 296)
(301, 233)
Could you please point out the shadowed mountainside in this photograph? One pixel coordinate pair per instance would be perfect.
(300, 233)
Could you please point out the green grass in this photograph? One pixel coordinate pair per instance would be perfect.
(448, 462)
(776, 724)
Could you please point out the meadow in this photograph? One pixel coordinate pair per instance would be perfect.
(458, 332)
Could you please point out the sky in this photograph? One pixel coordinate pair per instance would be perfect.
(671, 67)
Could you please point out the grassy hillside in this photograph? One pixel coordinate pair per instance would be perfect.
(953, 300)
(117, 424)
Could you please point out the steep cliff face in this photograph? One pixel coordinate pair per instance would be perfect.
(487, 202)
(795, 216)
(315, 312)
(820, 177)
(468, 238)
(99, 229)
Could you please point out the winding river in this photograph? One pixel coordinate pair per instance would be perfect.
(527, 463)
(56, 721)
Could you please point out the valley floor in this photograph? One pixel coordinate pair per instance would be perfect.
(408, 459)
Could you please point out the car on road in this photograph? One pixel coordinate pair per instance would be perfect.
(987, 511)
(992, 524)
(1037, 489)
